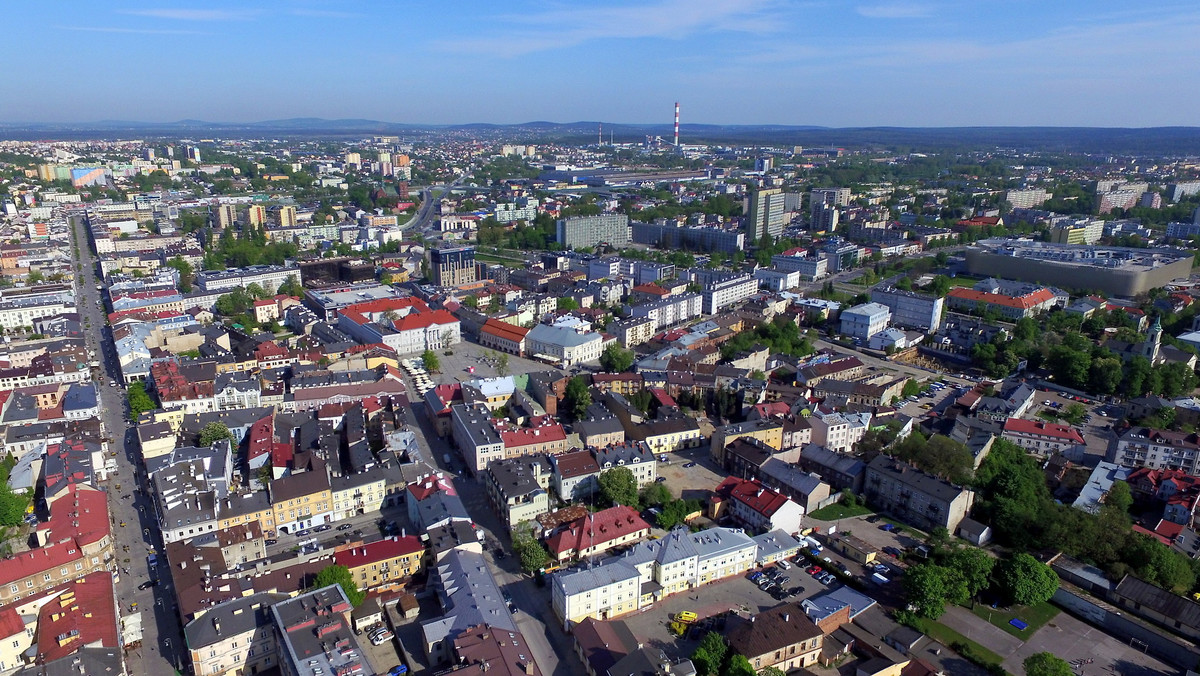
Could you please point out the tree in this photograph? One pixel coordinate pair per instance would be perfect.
(940, 286)
(654, 495)
(1024, 580)
(710, 654)
(13, 505)
(927, 589)
(568, 304)
(502, 364)
(291, 287)
(577, 398)
(739, 666)
(255, 291)
(616, 359)
(214, 432)
(340, 575)
(532, 554)
(186, 273)
(911, 388)
(139, 401)
(1046, 664)
(430, 361)
(618, 486)
(974, 566)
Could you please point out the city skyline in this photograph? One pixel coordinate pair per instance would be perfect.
(836, 64)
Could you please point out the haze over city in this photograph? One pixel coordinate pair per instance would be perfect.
(875, 62)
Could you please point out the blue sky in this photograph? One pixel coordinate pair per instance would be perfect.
(821, 62)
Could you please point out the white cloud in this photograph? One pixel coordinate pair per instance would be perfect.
(895, 10)
(194, 14)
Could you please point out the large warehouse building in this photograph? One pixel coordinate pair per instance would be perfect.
(1119, 271)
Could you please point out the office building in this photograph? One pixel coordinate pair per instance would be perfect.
(579, 232)
(797, 260)
(864, 321)
(765, 213)
(1119, 271)
(910, 309)
(452, 267)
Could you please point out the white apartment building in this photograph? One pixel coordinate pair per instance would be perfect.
(864, 321)
(671, 310)
(587, 231)
(910, 309)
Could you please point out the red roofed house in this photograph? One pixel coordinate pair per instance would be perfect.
(438, 401)
(407, 325)
(82, 614)
(757, 506)
(648, 292)
(548, 437)
(385, 563)
(503, 336)
(597, 533)
(76, 541)
(1043, 438)
(1009, 307)
(979, 222)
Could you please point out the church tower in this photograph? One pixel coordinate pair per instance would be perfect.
(1153, 342)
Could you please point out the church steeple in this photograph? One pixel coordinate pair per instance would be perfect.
(1153, 342)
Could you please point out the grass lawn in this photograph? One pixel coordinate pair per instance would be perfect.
(964, 646)
(967, 282)
(1035, 616)
(840, 511)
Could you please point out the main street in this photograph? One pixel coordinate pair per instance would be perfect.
(134, 527)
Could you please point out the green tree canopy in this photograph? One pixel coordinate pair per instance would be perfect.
(430, 360)
(340, 575)
(1046, 664)
(139, 400)
(616, 359)
(927, 587)
(186, 273)
(214, 432)
(974, 566)
(577, 398)
(618, 486)
(529, 551)
(1024, 580)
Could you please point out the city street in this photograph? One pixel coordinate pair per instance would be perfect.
(128, 502)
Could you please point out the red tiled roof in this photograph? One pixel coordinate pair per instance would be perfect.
(84, 614)
(526, 436)
(504, 330)
(1043, 429)
(381, 550)
(652, 289)
(430, 485)
(596, 529)
(1025, 302)
(752, 494)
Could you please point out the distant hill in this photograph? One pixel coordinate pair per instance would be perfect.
(1159, 141)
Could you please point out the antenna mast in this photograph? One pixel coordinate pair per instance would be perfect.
(676, 124)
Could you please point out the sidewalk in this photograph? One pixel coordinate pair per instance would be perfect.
(980, 630)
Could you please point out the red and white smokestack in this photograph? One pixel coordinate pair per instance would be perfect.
(676, 124)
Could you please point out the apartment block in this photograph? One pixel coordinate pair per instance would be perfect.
(910, 309)
(917, 498)
(580, 232)
(866, 320)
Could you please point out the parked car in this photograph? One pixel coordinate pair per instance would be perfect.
(148, 584)
(272, 542)
(345, 526)
(661, 479)
(892, 551)
(690, 464)
(887, 527)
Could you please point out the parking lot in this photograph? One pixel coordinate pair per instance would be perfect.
(465, 355)
(737, 593)
(1096, 426)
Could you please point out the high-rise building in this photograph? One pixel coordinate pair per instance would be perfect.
(910, 309)
(765, 215)
(148, 154)
(256, 215)
(838, 197)
(1177, 191)
(578, 232)
(354, 158)
(452, 267)
(402, 189)
(824, 218)
(193, 154)
(226, 216)
(286, 217)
